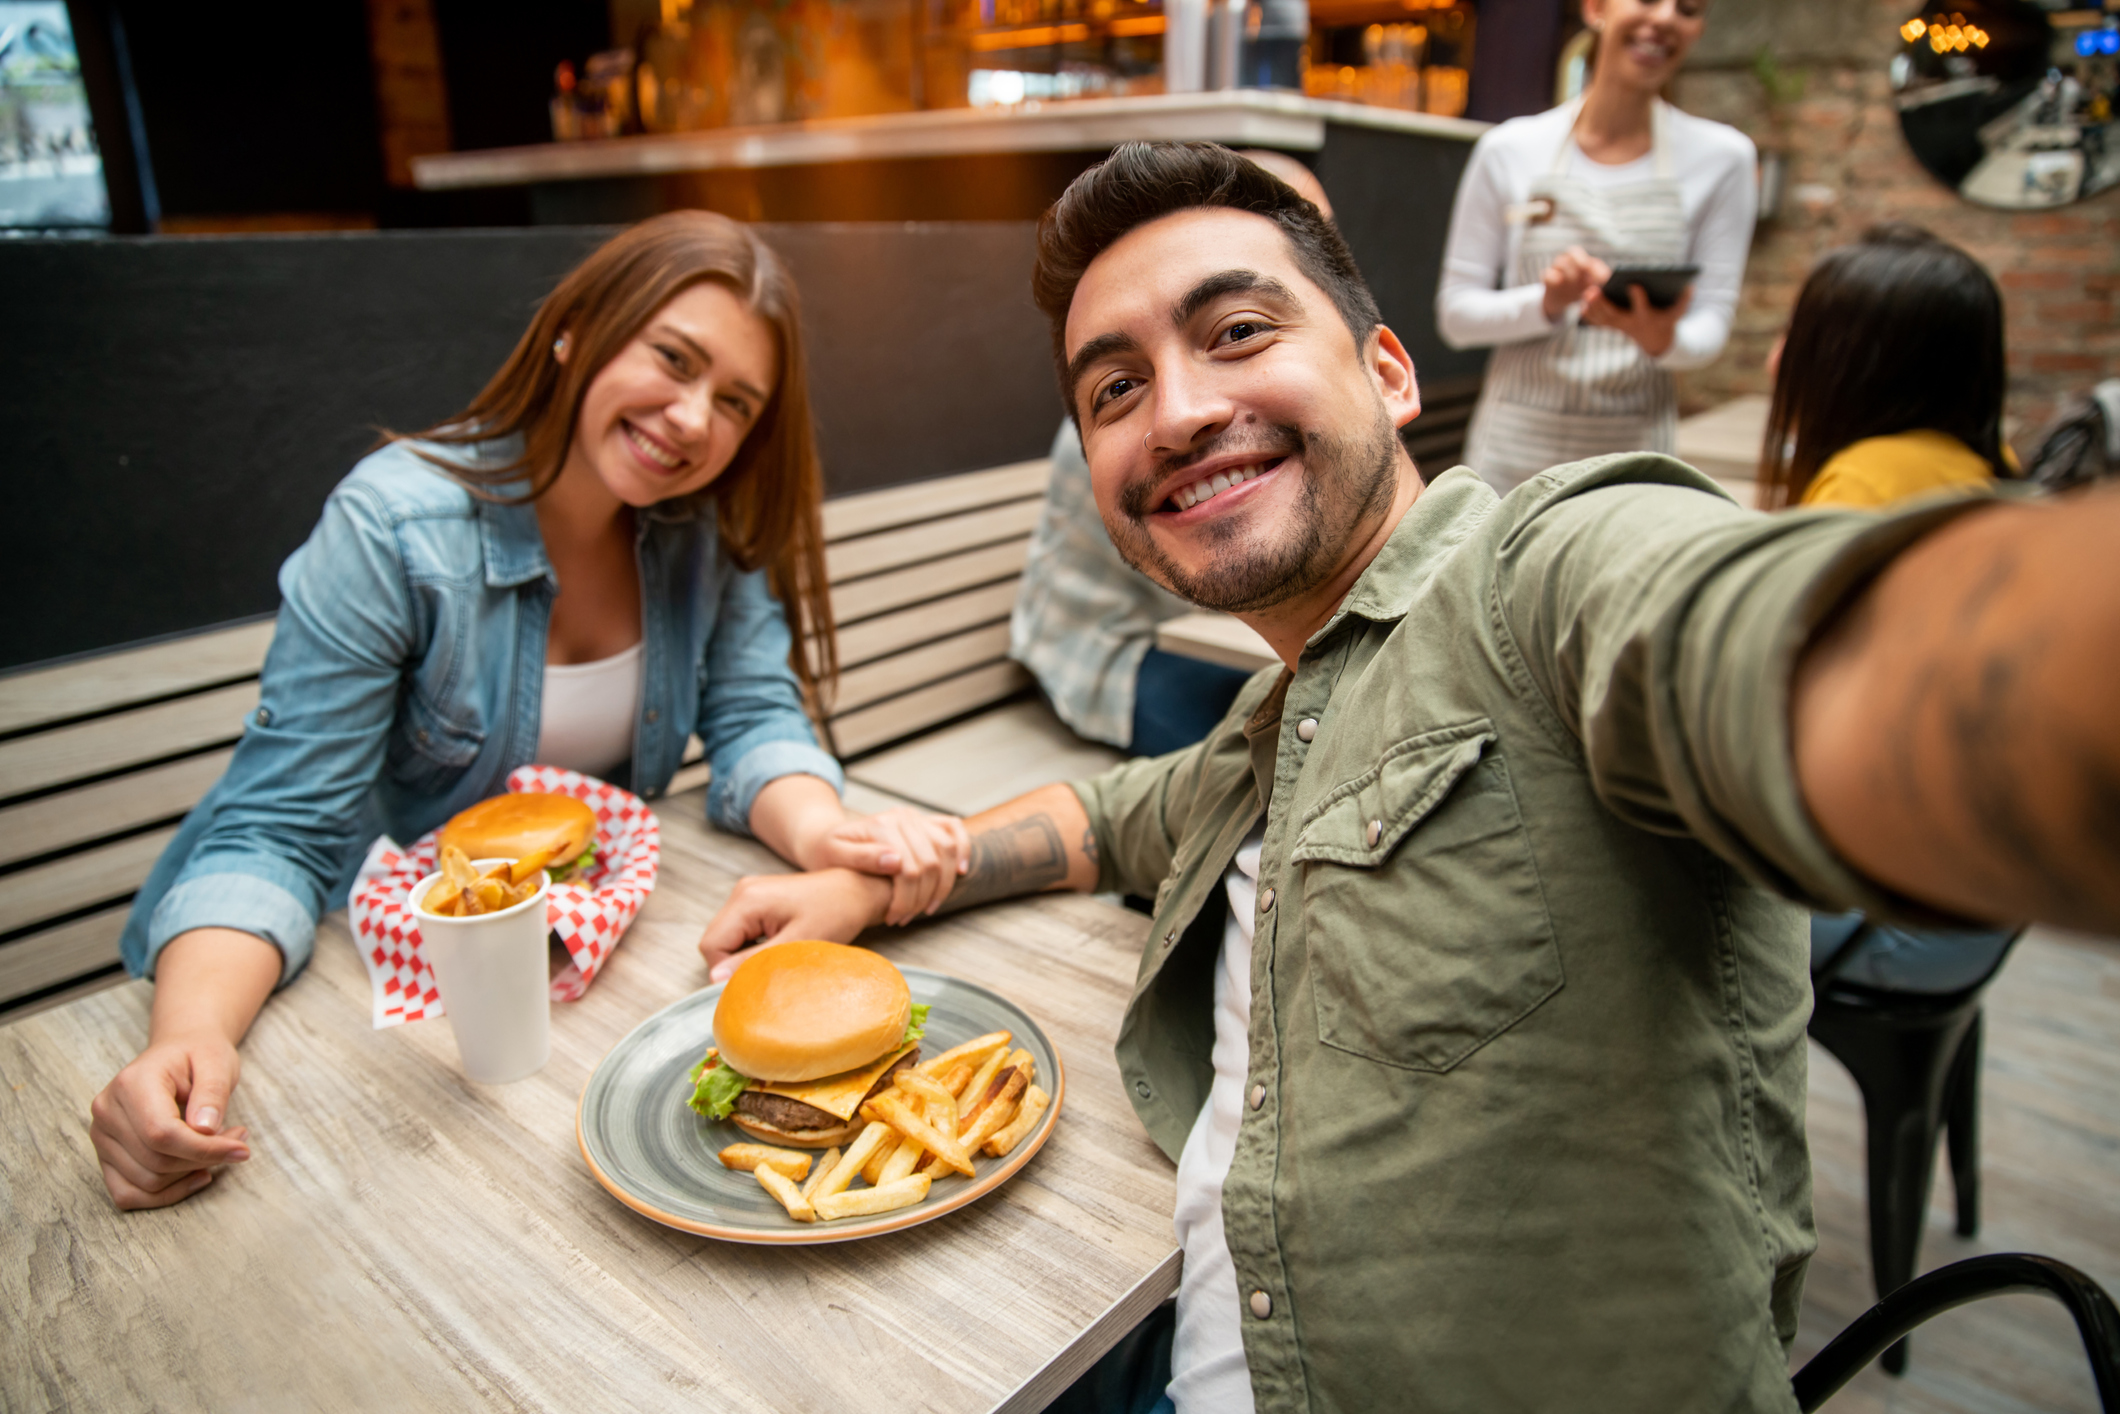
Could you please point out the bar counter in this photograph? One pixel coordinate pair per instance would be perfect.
(1238, 117)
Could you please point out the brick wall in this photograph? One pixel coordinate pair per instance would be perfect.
(2059, 270)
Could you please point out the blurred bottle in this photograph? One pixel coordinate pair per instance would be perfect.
(673, 86)
(1276, 32)
(566, 117)
(605, 94)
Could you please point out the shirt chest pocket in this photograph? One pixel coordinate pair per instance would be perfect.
(1425, 923)
(429, 751)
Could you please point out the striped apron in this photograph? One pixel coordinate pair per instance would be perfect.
(1582, 390)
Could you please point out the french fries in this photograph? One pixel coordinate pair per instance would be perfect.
(1011, 1134)
(980, 1098)
(782, 1187)
(849, 1167)
(884, 1198)
(791, 1163)
(1000, 1108)
(825, 1166)
(898, 1115)
(975, 1050)
(465, 893)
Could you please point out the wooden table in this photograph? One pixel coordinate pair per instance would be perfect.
(405, 1239)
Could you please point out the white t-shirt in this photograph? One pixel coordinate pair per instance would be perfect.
(1716, 169)
(586, 723)
(1208, 1373)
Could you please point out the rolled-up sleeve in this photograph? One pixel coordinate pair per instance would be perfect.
(264, 850)
(1663, 624)
(751, 719)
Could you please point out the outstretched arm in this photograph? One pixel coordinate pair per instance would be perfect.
(1035, 843)
(1957, 727)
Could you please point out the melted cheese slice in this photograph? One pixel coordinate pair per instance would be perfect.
(839, 1094)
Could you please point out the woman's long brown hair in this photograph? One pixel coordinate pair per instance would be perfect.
(768, 502)
(1901, 331)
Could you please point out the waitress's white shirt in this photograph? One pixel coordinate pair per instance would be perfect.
(1208, 1373)
(1716, 168)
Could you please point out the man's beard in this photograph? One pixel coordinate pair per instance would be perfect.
(1344, 482)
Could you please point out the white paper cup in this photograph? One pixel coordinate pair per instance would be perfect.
(492, 975)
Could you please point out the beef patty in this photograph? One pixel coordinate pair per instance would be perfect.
(793, 1115)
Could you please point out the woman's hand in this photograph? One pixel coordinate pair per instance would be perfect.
(157, 1126)
(1574, 273)
(1652, 328)
(801, 819)
(921, 855)
(832, 904)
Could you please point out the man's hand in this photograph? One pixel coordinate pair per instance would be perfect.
(919, 853)
(1574, 273)
(1652, 328)
(832, 904)
(157, 1125)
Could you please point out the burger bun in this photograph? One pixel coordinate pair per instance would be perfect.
(804, 1010)
(523, 823)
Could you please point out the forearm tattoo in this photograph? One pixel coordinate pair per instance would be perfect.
(1020, 857)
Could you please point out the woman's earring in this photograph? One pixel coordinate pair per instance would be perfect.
(559, 347)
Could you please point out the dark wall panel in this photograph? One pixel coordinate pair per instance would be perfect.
(176, 411)
(1391, 196)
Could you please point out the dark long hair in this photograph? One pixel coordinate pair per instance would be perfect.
(768, 502)
(1898, 332)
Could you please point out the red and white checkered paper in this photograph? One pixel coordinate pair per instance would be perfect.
(588, 916)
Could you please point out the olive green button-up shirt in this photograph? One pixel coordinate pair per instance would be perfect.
(1524, 1119)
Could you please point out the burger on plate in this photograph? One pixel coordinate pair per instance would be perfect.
(523, 823)
(803, 1034)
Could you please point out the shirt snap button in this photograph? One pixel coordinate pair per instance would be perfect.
(1376, 832)
(1141, 1088)
(1261, 1305)
(1307, 729)
(423, 735)
(1266, 902)
(1170, 939)
(264, 717)
(1258, 1096)
(653, 716)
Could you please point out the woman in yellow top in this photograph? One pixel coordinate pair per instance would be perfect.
(1890, 379)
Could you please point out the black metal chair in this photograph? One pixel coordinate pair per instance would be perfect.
(1901, 1010)
(1885, 1325)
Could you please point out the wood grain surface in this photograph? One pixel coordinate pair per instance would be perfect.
(404, 1238)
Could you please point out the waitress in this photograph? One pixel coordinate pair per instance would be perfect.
(1548, 206)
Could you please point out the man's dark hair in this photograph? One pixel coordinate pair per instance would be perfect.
(1142, 181)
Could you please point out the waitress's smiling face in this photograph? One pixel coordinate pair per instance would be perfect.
(666, 415)
(1642, 42)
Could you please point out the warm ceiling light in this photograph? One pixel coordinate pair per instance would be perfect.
(1913, 29)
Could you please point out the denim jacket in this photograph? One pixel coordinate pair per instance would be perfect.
(405, 682)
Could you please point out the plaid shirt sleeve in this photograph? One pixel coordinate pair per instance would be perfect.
(1084, 618)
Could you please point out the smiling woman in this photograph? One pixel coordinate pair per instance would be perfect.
(617, 545)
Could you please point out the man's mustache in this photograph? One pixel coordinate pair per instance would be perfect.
(1139, 497)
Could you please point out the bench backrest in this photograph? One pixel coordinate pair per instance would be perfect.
(100, 758)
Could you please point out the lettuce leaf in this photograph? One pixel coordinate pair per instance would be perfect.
(579, 865)
(915, 1026)
(716, 1087)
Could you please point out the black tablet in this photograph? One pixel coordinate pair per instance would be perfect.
(1662, 283)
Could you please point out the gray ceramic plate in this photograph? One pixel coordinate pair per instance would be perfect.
(644, 1143)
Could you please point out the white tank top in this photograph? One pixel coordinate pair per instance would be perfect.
(589, 710)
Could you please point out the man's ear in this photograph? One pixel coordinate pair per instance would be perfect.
(1392, 368)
